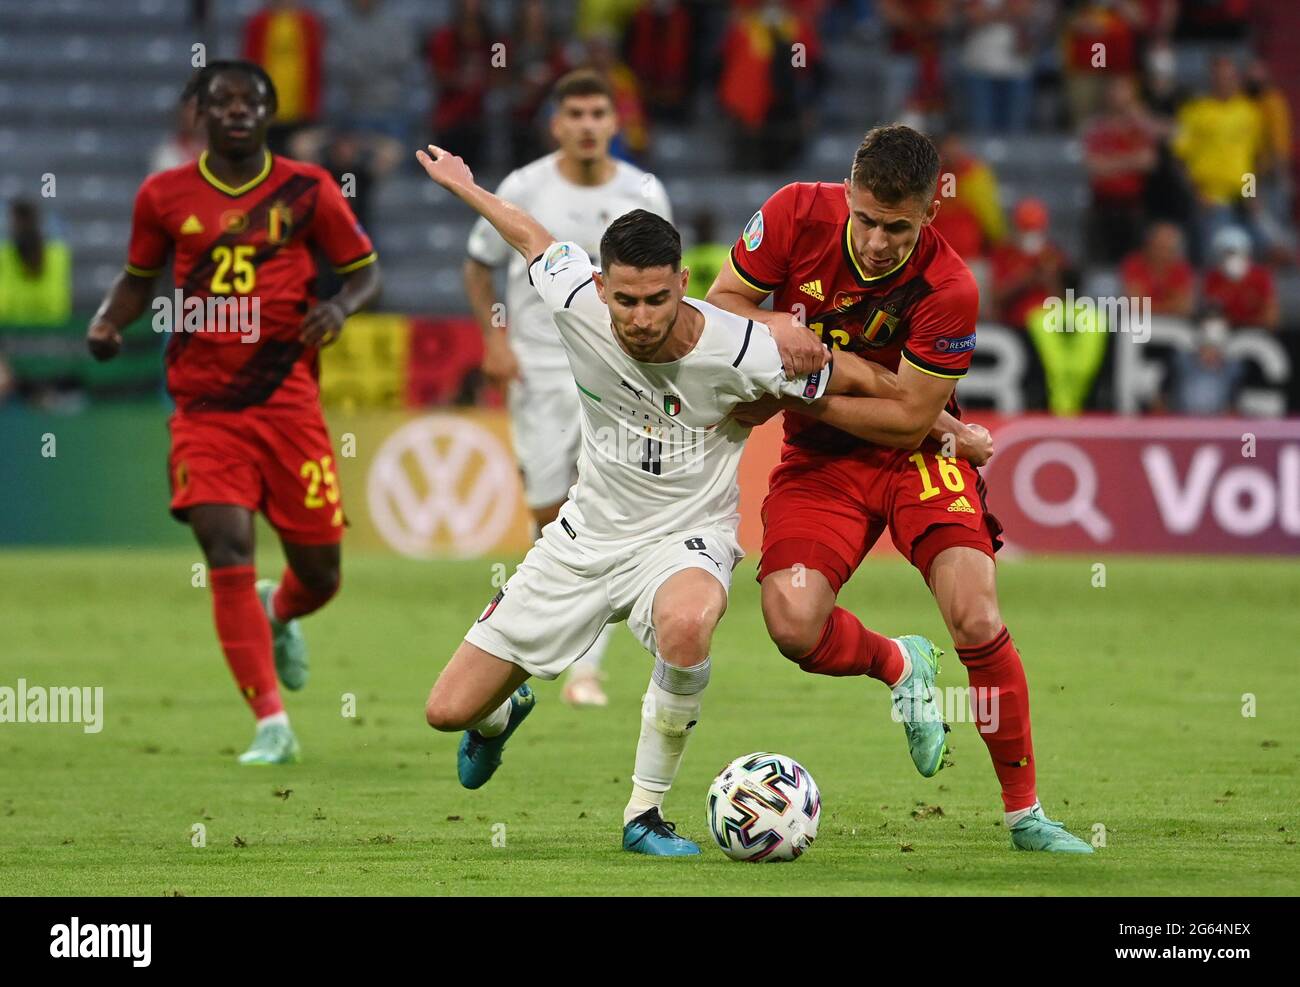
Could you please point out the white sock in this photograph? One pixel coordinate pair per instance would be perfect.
(642, 800)
(281, 718)
(1011, 818)
(496, 721)
(589, 664)
(907, 663)
(669, 712)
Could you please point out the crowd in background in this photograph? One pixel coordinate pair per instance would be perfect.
(1190, 189)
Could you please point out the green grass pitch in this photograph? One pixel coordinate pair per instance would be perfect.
(1138, 723)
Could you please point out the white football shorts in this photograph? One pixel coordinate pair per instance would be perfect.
(547, 615)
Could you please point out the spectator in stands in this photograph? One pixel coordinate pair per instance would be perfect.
(1028, 268)
(1241, 289)
(35, 272)
(1270, 207)
(358, 160)
(997, 60)
(659, 43)
(706, 256)
(537, 60)
(970, 216)
(1160, 271)
(287, 40)
(604, 17)
(185, 143)
(633, 140)
(372, 59)
(767, 89)
(1216, 20)
(1219, 139)
(1120, 153)
(460, 57)
(1169, 194)
(1203, 381)
(914, 77)
(1100, 45)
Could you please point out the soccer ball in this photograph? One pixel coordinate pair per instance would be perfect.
(764, 807)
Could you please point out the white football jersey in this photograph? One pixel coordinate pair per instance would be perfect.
(659, 452)
(576, 213)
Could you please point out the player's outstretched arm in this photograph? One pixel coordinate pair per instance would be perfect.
(516, 227)
(125, 302)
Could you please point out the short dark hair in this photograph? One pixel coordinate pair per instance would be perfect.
(641, 239)
(582, 82)
(896, 163)
(197, 87)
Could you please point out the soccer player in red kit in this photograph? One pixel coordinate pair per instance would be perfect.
(861, 266)
(247, 433)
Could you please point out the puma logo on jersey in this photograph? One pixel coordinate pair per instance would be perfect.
(960, 506)
(813, 288)
(191, 225)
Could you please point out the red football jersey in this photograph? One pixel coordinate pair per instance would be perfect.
(248, 244)
(799, 247)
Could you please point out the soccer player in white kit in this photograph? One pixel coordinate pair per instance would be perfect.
(575, 193)
(648, 533)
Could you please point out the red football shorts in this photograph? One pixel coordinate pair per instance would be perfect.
(280, 463)
(824, 512)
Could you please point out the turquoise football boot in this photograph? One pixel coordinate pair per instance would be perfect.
(287, 640)
(479, 757)
(1037, 832)
(915, 706)
(648, 833)
(274, 743)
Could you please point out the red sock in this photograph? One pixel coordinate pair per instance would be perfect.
(848, 648)
(293, 599)
(1001, 699)
(245, 637)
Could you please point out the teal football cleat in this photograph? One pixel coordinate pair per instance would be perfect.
(1037, 832)
(273, 743)
(478, 757)
(287, 640)
(916, 708)
(649, 834)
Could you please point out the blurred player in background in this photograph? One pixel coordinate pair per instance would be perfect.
(575, 192)
(649, 533)
(861, 265)
(248, 434)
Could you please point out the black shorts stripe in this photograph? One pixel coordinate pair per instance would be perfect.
(584, 284)
(749, 328)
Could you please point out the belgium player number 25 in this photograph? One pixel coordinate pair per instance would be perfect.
(316, 474)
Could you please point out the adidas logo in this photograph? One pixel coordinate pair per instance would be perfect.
(813, 288)
(960, 506)
(191, 225)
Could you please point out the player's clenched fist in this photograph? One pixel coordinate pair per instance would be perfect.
(322, 324)
(802, 353)
(104, 340)
(975, 444)
(444, 167)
